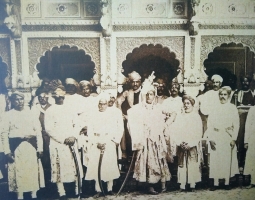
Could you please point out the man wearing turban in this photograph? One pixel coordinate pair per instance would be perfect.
(23, 146)
(221, 134)
(63, 130)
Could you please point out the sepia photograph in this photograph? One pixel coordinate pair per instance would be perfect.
(127, 99)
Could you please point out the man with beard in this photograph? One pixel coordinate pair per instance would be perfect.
(243, 98)
(161, 91)
(125, 101)
(23, 146)
(223, 126)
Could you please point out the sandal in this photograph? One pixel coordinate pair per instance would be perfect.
(153, 192)
(163, 190)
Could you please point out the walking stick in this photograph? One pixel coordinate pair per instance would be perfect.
(230, 163)
(187, 171)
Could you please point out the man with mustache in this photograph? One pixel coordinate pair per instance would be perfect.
(161, 91)
(223, 125)
(243, 97)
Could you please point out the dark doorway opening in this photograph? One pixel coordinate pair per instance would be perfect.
(231, 61)
(66, 62)
(3, 75)
(148, 58)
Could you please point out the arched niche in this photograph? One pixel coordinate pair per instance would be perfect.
(148, 58)
(126, 46)
(37, 47)
(209, 43)
(66, 62)
(231, 61)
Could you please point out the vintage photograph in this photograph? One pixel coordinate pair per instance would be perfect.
(127, 99)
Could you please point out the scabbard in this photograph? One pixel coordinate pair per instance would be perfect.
(77, 168)
(99, 171)
(129, 170)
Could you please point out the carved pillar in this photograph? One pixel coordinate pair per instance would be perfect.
(13, 19)
(106, 18)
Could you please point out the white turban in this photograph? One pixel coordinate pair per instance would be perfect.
(84, 83)
(71, 81)
(59, 92)
(134, 76)
(217, 77)
(104, 96)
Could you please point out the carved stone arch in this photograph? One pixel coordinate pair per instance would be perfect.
(209, 43)
(37, 47)
(127, 45)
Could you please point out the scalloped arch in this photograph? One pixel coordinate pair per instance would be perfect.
(37, 47)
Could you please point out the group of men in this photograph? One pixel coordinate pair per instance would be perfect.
(68, 127)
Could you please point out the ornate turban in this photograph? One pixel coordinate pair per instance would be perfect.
(17, 93)
(59, 92)
(134, 76)
(217, 77)
(191, 99)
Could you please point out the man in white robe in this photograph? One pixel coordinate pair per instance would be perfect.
(105, 129)
(23, 143)
(249, 139)
(223, 126)
(187, 136)
(60, 124)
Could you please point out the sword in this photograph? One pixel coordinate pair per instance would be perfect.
(187, 171)
(77, 169)
(129, 170)
(99, 171)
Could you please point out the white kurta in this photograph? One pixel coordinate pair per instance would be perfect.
(223, 117)
(60, 124)
(188, 128)
(249, 138)
(208, 101)
(105, 128)
(24, 174)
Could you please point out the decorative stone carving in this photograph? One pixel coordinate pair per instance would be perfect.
(66, 9)
(232, 26)
(126, 45)
(237, 9)
(208, 43)
(12, 20)
(207, 8)
(32, 9)
(18, 56)
(91, 9)
(149, 27)
(5, 55)
(123, 8)
(194, 5)
(192, 52)
(37, 47)
(106, 19)
(179, 8)
(62, 28)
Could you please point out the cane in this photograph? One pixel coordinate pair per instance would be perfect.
(187, 171)
(230, 162)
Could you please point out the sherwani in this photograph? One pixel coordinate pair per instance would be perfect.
(104, 128)
(223, 126)
(25, 174)
(60, 124)
(188, 128)
(146, 123)
(250, 139)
